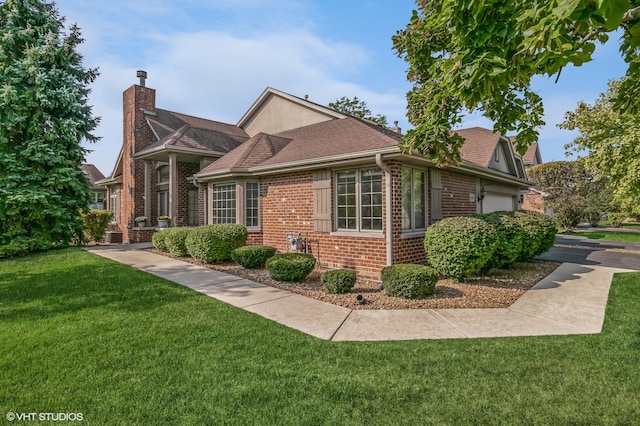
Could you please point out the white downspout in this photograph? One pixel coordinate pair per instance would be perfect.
(389, 218)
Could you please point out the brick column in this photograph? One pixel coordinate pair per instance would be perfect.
(173, 187)
(148, 172)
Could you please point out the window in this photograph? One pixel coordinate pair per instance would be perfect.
(163, 174)
(414, 200)
(163, 203)
(192, 207)
(114, 203)
(224, 203)
(252, 195)
(359, 200)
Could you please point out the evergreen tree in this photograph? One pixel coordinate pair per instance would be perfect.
(44, 116)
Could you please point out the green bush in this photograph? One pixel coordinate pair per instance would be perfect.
(339, 281)
(539, 230)
(510, 239)
(409, 281)
(158, 239)
(290, 267)
(459, 246)
(252, 256)
(616, 219)
(175, 241)
(96, 223)
(214, 243)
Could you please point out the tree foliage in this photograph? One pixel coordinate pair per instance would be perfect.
(482, 54)
(43, 117)
(611, 140)
(357, 108)
(572, 191)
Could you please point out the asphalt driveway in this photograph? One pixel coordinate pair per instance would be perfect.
(594, 252)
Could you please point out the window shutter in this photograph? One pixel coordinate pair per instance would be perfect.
(436, 192)
(322, 200)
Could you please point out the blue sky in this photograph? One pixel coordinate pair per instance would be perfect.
(213, 58)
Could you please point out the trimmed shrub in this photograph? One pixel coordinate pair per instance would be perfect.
(616, 219)
(510, 239)
(252, 257)
(96, 223)
(539, 230)
(339, 281)
(409, 281)
(214, 243)
(290, 267)
(175, 241)
(459, 246)
(158, 239)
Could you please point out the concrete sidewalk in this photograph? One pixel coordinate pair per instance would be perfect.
(571, 300)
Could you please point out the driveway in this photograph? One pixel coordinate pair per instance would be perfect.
(594, 252)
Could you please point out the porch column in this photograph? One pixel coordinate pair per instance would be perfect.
(148, 172)
(173, 188)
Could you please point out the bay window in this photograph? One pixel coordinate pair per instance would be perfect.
(359, 200)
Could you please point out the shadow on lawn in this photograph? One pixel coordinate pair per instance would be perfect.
(88, 285)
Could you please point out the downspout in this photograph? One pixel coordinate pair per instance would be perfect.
(389, 222)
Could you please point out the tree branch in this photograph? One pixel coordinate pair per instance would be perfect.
(631, 14)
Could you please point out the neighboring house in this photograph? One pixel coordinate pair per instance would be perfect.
(98, 191)
(533, 199)
(301, 175)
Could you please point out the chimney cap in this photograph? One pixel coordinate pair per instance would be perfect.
(142, 75)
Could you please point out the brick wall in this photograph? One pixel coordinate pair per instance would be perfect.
(286, 205)
(455, 194)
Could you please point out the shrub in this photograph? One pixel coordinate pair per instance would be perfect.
(339, 281)
(409, 281)
(539, 230)
(158, 239)
(616, 219)
(291, 267)
(96, 223)
(214, 243)
(252, 256)
(510, 239)
(175, 241)
(459, 246)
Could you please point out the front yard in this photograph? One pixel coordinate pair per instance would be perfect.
(82, 334)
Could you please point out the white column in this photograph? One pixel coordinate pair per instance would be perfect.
(148, 173)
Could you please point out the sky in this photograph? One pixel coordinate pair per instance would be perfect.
(213, 58)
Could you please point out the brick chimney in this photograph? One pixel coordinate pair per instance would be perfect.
(137, 101)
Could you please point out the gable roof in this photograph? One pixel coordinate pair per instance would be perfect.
(310, 144)
(93, 175)
(176, 131)
(480, 149)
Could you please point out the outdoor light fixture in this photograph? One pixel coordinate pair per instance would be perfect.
(482, 194)
(360, 299)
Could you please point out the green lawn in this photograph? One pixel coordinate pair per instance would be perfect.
(79, 333)
(619, 236)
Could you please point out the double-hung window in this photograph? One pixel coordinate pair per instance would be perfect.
(224, 203)
(414, 199)
(359, 200)
(251, 208)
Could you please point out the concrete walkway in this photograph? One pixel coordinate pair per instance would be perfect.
(571, 300)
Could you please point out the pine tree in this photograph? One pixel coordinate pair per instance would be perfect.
(44, 116)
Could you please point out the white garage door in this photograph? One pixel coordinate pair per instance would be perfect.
(495, 202)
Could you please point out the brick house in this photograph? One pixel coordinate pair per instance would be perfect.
(301, 176)
(98, 191)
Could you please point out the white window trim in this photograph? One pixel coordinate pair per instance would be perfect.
(252, 228)
(413, 231)
(375, 233)
(211, 199)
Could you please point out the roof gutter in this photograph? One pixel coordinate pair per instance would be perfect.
(389, 220)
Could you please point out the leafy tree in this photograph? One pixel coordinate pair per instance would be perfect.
(572, 191)
(482, 54)
(357, 108)
(43, 117)
(612, 142)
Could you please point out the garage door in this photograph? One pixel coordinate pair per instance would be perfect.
(495, 202)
